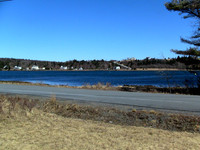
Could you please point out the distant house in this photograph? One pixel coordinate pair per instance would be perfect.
(17, 68)
(63, 68)
(81, 68)
(131, 59)
(34, 67)
(168, 59)
(118, 68)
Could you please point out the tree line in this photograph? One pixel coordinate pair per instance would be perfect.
(174, 63)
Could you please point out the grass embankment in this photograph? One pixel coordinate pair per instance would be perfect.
(154, 89)
(98, 86)
(32, 124)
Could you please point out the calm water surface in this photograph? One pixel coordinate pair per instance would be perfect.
(78, 78)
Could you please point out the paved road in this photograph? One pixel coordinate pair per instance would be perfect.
(148, 100)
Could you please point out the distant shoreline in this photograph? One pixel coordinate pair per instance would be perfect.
(149, 64)
(139, 69)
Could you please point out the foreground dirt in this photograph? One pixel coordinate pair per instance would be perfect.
(40, 130)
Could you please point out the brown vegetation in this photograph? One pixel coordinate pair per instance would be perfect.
(27, 124)
(154, 89)
(175, 122)
(99, 86)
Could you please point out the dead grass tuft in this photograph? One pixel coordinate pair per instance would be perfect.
(99, 86)
(10, 105)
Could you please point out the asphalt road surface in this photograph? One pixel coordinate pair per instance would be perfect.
(186, 103)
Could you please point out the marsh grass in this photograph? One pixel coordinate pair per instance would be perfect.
(99, 86)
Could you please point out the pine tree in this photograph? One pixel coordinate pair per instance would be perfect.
(190, 9)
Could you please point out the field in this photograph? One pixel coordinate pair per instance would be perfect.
(26, 124)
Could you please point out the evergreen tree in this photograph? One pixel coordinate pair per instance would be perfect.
(190, 9)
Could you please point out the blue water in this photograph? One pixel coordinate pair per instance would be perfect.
(78, 78)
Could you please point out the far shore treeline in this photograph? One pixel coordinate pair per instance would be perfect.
(126, 64)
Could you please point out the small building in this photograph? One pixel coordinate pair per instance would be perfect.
(81, 68)
(63, 67)
(131, 59)
(17, 68)
(168, 59)
(118, 68)
(34, 67)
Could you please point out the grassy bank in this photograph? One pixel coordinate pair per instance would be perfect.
(32, 124)
(98, 86)
(153, 89)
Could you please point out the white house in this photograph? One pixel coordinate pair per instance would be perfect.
(17, 68)
(63, 68)
(34, 67)
(118, 68)
(131, 59)
(81, 68)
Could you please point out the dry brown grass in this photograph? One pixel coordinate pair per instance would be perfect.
(26, 127)
(167, 121)
(98, 86)
(40, 130)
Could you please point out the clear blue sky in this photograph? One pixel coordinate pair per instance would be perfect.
(61, 30)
